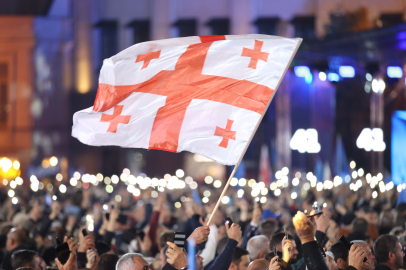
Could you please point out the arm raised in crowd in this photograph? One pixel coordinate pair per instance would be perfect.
(252, 229)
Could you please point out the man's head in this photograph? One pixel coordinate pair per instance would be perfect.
(241, 259)
(132, 261)
(330, 262)
(15, 239)
(370, 264)
(258, 265)
(340, 253)
(388, 251)
(276, 240)
(26, 258)
(107, 262)
(267, 228)
(360, 224)
(258, 247)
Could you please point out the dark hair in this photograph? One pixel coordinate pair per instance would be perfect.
(238, 253)
(267, 227)
(360, 224)
(107, 262)
(23, 258)
(166, 236)
(277, 239)
(384, 244)
(271, 255)
(340, 251)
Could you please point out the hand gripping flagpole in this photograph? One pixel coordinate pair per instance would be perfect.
(252, 136)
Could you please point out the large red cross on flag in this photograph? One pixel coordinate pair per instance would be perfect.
(204, 94)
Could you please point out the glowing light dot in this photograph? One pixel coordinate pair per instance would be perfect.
(234, 182)
(59, 177)
(360, 172)
(285, 171)
(99, 177)
(154, 194)
(109, 188)
(76, 175)
(114, 179)
(117, 198)
(295, 182)
(354, 174)
(62, 188)
(54, 197)
(73, 181)
(379, 176)
(11, 193)
(277, 192)
(352, 164)
(14, 200)
(193, 185)
(206, 193)
(205, 200)
(240, 193)
(53, 161)
(19, 181)
(273, 186)
(263, 200)
(136, 192)
(225, 200)
(264, 191)
(293, 195)
(16, 166)
(251, 182)
(319, 186)
(217, 184)
(278, 175)
(13, 184)
(178, 205)
(5, 182)
(242, 182)
(180, 173)
(208, 179)
(188, 180)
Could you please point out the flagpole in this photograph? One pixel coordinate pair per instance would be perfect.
(252, 136)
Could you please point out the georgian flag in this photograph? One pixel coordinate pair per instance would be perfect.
(203, 94)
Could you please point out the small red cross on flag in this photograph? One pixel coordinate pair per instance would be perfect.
(205, 95)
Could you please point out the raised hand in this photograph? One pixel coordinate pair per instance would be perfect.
(287, 249)
(86, 242)
(145, 244)
(256, 214)
(71, 263)
(305, 227)
(234, 231)
(274, 264)
(176, 257)
(322, 222)
(356, 257)
(91, 255)
(200, 234)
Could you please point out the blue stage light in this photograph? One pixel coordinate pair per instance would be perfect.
(347, 71)
(333, 77)
(394, 72)
(302, 71)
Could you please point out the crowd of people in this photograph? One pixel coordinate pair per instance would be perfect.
(89, 228)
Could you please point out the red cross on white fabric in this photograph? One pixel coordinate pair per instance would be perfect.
(255, 54)
(115, 119)
(147, 57)
(183, 84)
(226, 133)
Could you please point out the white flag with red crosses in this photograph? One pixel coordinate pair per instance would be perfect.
(203, 94)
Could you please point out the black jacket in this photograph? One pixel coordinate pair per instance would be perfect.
(312, 256)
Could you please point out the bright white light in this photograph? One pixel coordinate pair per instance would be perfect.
(328, 184)
(53, 161)
(126, 171)
(295, 182)
(205, 200)
(354, 174)
(240, 193)
(368, 77)
(118, 198)
(59, 177)
(16, 165)
(375, 85)
(115, 179)
(99, 177)
(309, 176)
(358, 183)
(347, 71)
(374, 194)
(324, 205)
(273, 186)
(360, 172)
(285, 171)
(305, 141)
(394, 72)
(154, 194)
(206, 193)
(62, 188)
(217, 184)
(242, 182)
(178, 205)
(379, 176)
(11, 193)
(208, 179)
(19, 181)
(193, 185)
(352, 164)
(180, 173)
(73, 181)
(136, 192)
(278, 175)
(234, 182)
(255, 192)
(264, 191)
(322, 76)
(293, 195)
(13, 184)
(302, 71)
(319, 186)
(225, 200)
(333, 77)
(251, 182)
(399, 188)
(371, 140)
(263, 200)
(277, 192)
(369, 178)
(337, 181)
(76, 175)
(14, 200)
(389, 185)
(109, 188)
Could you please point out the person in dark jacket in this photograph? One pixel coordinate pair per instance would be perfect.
(15, 241)
(388, 253)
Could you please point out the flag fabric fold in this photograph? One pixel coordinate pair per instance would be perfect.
(205, 95)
